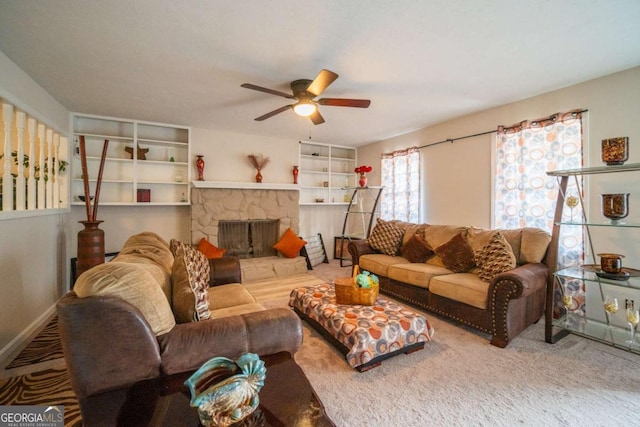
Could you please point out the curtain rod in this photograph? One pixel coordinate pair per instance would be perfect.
(451, 140)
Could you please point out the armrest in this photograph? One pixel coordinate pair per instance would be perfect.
(187, 346)
(101, 336)
(225, 270)
(522, 280)
(357, 248)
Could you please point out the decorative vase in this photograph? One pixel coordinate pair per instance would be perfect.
(90, 246)
(258, 176)
(295, 174)
(615, 151)
(615, 206)
(363, 180)
(200, 166)
(611, 263)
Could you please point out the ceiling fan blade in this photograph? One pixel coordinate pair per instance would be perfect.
(273, 113)
(266, 90)
(344, 102)
(317, 118)
(321, 82)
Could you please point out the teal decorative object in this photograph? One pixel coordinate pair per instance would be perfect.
(366, 280)
(226, 391)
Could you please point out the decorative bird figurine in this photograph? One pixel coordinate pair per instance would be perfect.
(226, 391)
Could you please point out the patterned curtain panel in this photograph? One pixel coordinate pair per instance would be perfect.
(400, 176)
(524, 196)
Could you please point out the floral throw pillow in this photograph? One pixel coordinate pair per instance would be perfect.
(386, 237)
(494, 258)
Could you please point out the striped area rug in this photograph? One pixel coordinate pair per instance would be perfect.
(48, 387)
(45, 346)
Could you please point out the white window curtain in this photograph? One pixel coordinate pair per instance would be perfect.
(524, 195)
(400, 177)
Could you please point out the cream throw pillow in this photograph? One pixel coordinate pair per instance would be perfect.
(134, 284)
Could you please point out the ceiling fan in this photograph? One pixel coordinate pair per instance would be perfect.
(304, 91)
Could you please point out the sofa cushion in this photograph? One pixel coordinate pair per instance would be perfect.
(150, 249)
(236, 310)
(289, 244)
(416, 249)
(410, 229)
(190, 282)
(462, 287)
(494, 258)
(478, 238)
(456, 254)
(386, 237)
(436, 235)
(228, 295)
(379, 263)
(534, 245)
(209, 249)
(417, 274)
(134, 284)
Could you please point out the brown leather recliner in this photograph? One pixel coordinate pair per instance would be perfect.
(109, 345)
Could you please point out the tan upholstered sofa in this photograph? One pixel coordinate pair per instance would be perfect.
(136, 318)
(484, 292)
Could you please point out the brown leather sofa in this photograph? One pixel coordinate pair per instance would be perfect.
(502, 307)
(110, 345)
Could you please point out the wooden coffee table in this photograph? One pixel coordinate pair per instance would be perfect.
(287, 399)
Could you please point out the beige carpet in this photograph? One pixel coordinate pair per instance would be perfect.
(460, 379)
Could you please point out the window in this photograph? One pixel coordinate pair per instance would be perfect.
(524, 196)
(400, 177)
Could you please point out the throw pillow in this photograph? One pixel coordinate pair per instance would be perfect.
(416, 249)
(494, 258)
(456, 254)
(190, 278)
(133, 283)
(209, 249)
(386, 237)
(290, 244)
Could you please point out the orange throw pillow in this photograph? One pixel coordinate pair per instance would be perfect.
(210, 250)
(290, 244)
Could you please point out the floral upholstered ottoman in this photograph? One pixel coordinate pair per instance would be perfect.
(366, 335)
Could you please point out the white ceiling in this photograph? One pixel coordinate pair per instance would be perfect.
(419, 61)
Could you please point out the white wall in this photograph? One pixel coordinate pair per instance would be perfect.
(226, 154)
(456, 177)
(33, 251)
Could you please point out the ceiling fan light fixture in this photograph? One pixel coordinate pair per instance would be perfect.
(305, 107)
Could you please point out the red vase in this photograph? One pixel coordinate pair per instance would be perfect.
(295, 174)
(200, 166)
(258, 176)
(363, 180)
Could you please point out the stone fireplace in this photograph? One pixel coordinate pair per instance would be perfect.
(213, 203)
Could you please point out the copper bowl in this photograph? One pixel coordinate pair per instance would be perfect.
(615, 151)
(615, 206)
(611, 263)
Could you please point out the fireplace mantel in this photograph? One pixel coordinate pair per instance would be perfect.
(245, 185)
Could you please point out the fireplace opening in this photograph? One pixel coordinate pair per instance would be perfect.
(249, 239)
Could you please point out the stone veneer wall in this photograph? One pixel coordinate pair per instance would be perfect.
(210, 205)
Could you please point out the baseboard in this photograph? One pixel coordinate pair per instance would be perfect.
(16, 344)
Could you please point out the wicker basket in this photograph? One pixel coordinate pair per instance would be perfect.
(347, 292)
